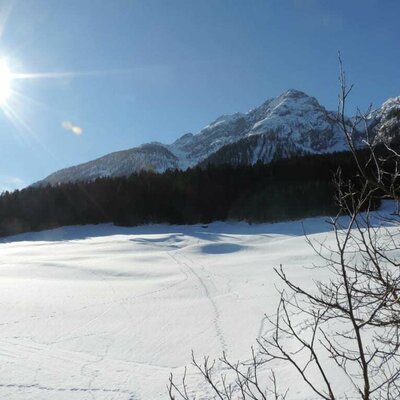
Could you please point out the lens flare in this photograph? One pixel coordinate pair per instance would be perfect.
(5, 82)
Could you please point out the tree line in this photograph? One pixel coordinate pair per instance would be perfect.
(282, 190)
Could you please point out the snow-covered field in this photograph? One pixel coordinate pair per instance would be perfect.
(102, 312)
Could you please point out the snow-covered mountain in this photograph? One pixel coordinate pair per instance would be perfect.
(385, 121)
(154, 156)
(290, 124)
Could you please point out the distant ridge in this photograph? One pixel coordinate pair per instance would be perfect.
(288, 125)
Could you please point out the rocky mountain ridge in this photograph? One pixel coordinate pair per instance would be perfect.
(288, 125)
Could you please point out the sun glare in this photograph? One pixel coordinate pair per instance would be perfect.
(5, 82)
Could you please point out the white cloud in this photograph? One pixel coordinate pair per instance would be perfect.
(69, 126)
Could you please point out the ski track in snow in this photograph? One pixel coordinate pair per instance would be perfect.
(102, 313)
(205, 287)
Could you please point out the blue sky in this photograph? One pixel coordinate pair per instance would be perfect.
(110, 75)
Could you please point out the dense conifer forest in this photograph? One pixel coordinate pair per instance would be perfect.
(283, 190)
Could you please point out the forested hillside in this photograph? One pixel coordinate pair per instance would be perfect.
(286, 189)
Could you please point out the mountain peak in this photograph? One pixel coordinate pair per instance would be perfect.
(294, 93)
(290, 124)
(388, 109)
(298, 97)
(391, 103)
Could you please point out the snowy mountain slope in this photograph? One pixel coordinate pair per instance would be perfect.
(290, 124)
(385, 121)
(293, 117)
(151, 156)
(104, 312)
(249, 150)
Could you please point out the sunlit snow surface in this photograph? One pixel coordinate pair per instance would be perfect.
(102, 312)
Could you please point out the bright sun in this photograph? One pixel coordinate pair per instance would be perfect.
(5, 82)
